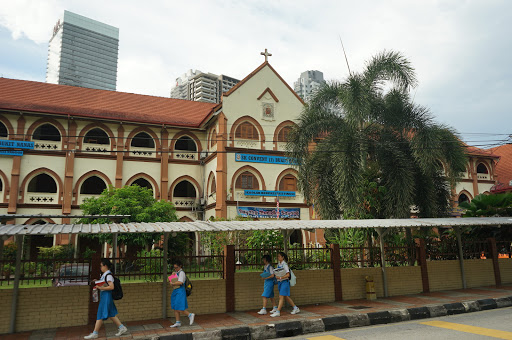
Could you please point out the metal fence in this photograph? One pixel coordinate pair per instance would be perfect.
(441, 249)
(251, 259)
(47, 271)
(504, 249)
(361, 257)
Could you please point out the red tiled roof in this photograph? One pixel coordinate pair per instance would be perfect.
(504, 166)
(259, 68)
(474, 151)
(34, 96)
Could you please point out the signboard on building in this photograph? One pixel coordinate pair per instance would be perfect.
(16, 144)
(251, 158)
(268, 212)
(272, 193)
(11, 153)
(458, 211)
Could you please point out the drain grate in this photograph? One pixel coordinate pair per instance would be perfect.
(359, 307)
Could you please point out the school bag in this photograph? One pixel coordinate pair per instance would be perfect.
(293, 279)
(188, 286)
(117, 292)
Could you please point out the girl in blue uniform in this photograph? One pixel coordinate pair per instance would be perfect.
(284, 286)
(106, 309)
(179, 296)
(268, 286)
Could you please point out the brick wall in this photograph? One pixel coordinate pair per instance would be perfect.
(208, 297)
(444, 275)
(5, 309)
(479, 273)
(506, 270)
(354, 285)
(313, 286)
(404, 280)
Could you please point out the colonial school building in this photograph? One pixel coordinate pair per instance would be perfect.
(211, 160)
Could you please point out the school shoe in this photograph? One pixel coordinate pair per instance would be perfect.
(275, 314)
(177, 324)
(295, 310)
(191, 317)
(273, 310)
(263, 311)
(121, 330)
(91, 336)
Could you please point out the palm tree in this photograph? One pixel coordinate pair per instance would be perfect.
(365, 150)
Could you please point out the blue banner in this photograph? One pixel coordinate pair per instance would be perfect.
(16, 144)
(268, 212)
(250, 158)
(269, 193)
(11, 153)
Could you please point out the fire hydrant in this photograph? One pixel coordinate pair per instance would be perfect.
(370, 288)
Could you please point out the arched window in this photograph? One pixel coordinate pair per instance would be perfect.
(93, 186)
(96, 136)
(184, 189)
(46, 132)
(213, 186)
(288, 183)
(282, 136)
(213, 140)
(1, 185)
(185, 143)
(143, 183)
(481, 169)
(143, 140)
(463, 198)
(3, 130)
(246, 131)
(246, 180)
(42, 183)
(40, 222)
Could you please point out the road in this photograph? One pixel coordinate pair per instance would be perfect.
(492, 324)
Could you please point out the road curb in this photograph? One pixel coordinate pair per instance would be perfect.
(335, 322)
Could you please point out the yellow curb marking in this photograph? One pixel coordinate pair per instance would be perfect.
(325, 337)
(494, 333)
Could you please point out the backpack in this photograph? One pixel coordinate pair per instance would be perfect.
(188, 286)
(117, 292)
(293, 279)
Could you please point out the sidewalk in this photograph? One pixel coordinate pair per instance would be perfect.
(351, 313)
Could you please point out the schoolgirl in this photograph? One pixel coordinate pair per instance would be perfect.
(284, 286)
(179, 296)
(106, 309)
(268, 286)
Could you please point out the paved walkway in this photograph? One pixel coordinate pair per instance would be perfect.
(148, 328)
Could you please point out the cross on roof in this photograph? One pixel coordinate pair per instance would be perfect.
(266, 54)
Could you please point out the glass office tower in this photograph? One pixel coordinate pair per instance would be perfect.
(83, 52)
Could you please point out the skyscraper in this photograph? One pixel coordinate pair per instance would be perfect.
(202, 87)
(308, 83)
(83, 52)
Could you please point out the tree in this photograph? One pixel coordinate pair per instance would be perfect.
(365, 150)
(132, 200)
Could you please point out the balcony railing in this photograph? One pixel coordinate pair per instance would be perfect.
(41, 198)
(184, 202)
(142, 152)
(83, 197)
(95, 148)
(47, 145)
(483, 176)
(247, 143)
(187, 155)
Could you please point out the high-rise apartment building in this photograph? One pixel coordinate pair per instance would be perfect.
(83, 52)
(202, 87)
(308, 83)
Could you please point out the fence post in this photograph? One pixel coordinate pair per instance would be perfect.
(461, 256)
(95, 270)
(336, 270)
(422, 259)
(17, 273)
(164, 283)
(495, 260)
(229, 276)
(382, 232)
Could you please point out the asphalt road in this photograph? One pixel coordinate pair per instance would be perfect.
(492, 324)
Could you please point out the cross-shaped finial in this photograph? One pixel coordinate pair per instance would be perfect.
(266, 54)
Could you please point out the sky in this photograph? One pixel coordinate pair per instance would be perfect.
(461, 49)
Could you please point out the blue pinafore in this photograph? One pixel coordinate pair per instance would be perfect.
(284, 285)
(268, 286)
(179, 298)
(107, 308)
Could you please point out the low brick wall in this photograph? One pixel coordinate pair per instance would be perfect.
(313, 286)
(444, 275)
(404, 280)
(505, 270)
(353, 282)
(479, 273)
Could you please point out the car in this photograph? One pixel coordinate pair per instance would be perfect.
(72, 274)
